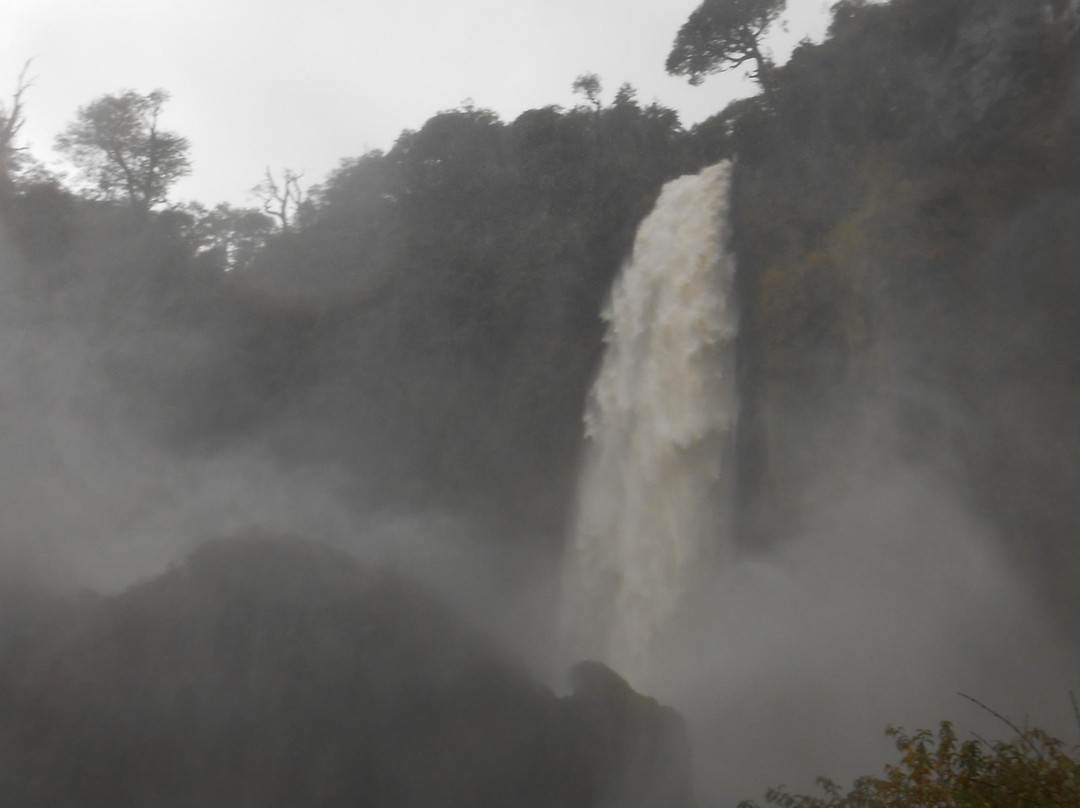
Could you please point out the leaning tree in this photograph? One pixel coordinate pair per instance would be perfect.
(722, 35)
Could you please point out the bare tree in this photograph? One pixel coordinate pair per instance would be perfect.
(12, 119)
(282, 200)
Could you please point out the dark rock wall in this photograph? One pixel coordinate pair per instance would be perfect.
(271, 672)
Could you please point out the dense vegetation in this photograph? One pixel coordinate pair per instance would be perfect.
(427, 318)
(1032, 769)
(434, 309)
(470, 262)
(905, 196)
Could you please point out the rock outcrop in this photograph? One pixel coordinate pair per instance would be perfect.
(267, 672)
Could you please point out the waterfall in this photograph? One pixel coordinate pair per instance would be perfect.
(659, 418)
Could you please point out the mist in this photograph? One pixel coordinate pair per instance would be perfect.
(98, 496)
(890, 602)
(787, 662)
(894, 602)
(92, 496)
(586, 458)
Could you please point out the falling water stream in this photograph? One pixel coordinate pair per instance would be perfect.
(657, 426)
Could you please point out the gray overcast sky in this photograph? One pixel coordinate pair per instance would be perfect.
(259, 83)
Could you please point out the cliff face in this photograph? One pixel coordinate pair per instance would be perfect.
(270, 672)
(906, 208)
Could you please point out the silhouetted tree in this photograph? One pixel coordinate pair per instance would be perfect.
(226, 238)
(281, 200)
(11, 122)
(118, 143)
(721, 35)
(588, 85)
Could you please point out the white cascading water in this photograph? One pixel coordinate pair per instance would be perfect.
(659, 418)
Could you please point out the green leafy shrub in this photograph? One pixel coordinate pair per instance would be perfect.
(1032, 770)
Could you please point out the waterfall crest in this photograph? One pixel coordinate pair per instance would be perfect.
(659, 418)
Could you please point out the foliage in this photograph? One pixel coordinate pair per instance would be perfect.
(588, 85)
(915, 168)
(227, 238)
(447, 290)
(40, 216)
(1033, 770)
(118, 144)
(722, 35)
(479, 252)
